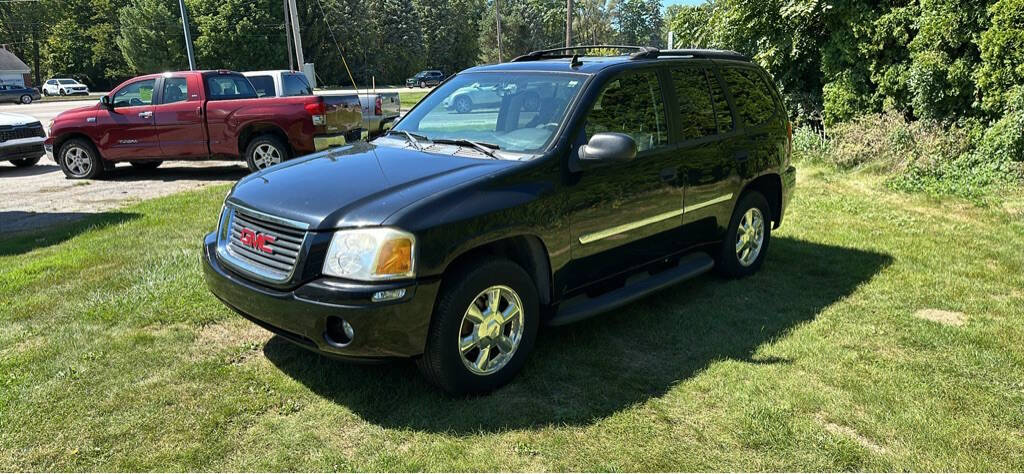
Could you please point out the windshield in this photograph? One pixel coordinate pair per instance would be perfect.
(67, 81)
(515, 111)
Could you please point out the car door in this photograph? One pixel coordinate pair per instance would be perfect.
(707, 152)
(625, 214)
(5, 94)
(178, 118)
(126, 128)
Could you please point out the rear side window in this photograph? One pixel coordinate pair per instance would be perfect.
(696, 109)
(264, 85)
(295, 84)
(722, 111)
(227, 86)
(755, 104)
(631, 104)
(175, 90)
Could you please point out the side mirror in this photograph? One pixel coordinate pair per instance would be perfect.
(105, 100)
(609, 147)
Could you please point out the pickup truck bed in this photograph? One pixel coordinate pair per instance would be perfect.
(380, 111)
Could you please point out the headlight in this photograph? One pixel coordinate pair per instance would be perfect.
(371, 254)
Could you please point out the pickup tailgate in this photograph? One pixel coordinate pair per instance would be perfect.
(390, 105)
(342, 113)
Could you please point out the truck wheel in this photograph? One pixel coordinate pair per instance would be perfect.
(80, 160)
(265, 151)
(463, 104)
(746, 241)
(483, 328)
(26, 99)
(25, 162)
(146, 165)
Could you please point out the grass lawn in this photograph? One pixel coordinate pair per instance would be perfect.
(885, 332)
(409, 99)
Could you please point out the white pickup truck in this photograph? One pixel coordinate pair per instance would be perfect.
(21, 139)
(380, 111)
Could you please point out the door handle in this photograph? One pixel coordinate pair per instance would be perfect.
(146, 114)
(742, 156)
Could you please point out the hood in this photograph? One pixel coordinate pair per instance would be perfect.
(358, 185)
(8, 118)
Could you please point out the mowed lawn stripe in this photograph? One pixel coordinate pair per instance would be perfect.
(839, 355)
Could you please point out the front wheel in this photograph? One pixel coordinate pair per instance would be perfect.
(265, 151)
(63, 92)
(25, 162)
(423, 84)
(746, 241)
(483, 327)
(79, 160)
(463, 104)
(26, 99)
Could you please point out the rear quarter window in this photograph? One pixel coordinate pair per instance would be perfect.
(229, 86)
(755, 103)
(264, 85)
(295, 84)
(696, 108)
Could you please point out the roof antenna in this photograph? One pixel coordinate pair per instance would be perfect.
(575, 61)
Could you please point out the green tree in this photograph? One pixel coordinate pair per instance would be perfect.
(151, 39)
(639, 22)
(1002, 56)
(241, 35)
(451, 33)
(399, 40)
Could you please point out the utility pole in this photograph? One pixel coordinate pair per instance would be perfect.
(497, 14)
(568, 23)
(188, 36)
(296, 36)
(35, 57)
(288, 36)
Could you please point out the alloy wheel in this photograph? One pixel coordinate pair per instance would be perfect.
(491, 330)
(265, 156)
(26, 99)
(750, 237)
(77, 161)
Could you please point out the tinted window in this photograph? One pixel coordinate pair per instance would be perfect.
(229, 86)
(722, 110)
(264, 85)
(754, 102)
(696, 110)
(631, 104)
(295, 84)
(175, 90)
(135, 94)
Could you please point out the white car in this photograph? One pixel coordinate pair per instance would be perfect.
(21, 139)
(63, 86)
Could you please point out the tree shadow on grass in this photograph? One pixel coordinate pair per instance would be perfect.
(590, 370)
(21, 232)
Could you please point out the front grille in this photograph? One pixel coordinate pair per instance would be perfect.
(21, 131)
(265, 248)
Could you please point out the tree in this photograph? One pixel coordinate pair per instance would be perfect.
(151, 39)
(399, 40)
(241, 35)
(639, 22)
(451, 33)
(1001, 74)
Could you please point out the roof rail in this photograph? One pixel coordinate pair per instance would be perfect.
(703, 54)
(639, 52)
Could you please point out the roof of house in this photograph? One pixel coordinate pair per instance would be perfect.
(10, 63)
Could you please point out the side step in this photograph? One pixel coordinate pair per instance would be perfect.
(690, 266)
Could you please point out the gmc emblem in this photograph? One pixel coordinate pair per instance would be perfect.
(256, 240)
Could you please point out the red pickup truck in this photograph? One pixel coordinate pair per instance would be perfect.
(195, 115)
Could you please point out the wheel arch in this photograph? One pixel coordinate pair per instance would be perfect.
(770, 186)
(527, 251)
(63, 138)
(253, 130)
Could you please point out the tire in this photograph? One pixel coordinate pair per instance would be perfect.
(25, 162)
(423, 84)
(463, 104)
(752, 211)
(63, 92)
(146, 165)
(26, 99)
(80, 160)
(447, 366)
(265, 151)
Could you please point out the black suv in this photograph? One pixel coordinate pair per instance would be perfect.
(454, 237)
(425, 79)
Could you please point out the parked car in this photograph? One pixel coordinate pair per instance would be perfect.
(21, 139)
(380, 111)
(476, 96)
(346, 115)
(454, 237)
(425, 79)
(18, 94)
(192, 115)
(64, 86)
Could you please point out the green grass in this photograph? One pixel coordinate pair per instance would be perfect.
(409, 99)
(67, 98)
(113, 356)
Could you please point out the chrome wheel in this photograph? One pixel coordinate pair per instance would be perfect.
(750, 237)
(265, 156)
(491, 330)
(26, 99)
(77, 161)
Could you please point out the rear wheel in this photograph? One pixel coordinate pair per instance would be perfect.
(63, 92)
(463, 104)
(25, 162)
(265, 151)
(146, 165)
(746, 242)
(26, 99)
(80, 160)
(483, 327)
(423, 84)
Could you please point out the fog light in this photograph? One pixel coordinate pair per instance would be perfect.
(388, 295)
(339, 332)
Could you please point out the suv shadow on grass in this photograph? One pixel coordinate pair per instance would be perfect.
(22, 232)
(590, 370)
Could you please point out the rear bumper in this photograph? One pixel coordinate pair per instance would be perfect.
(21, 148)
(323, 142)
(396, 329)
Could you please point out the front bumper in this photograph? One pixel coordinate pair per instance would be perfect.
(21, 148)
(395, 329)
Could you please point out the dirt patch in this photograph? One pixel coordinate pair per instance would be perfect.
(951, 318)
(851, 433)
(231, 333)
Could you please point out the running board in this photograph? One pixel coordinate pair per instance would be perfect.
(690, 266)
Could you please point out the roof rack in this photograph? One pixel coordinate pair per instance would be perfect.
(639, 52)
(703, 54)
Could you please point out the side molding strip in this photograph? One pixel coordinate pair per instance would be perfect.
(604, 234)
(704, 204)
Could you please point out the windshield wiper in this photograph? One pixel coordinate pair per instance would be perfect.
(485, 148)
(412, 138)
